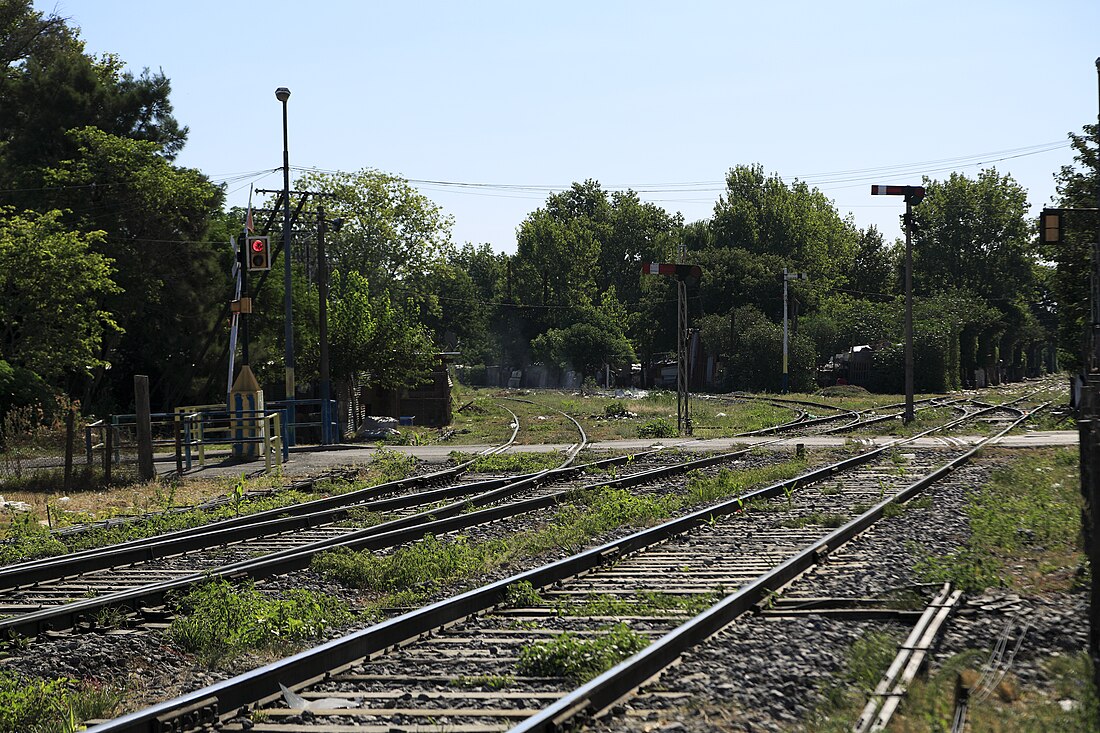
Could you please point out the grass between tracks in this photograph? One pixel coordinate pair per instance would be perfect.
(26, 538)
(580, 659)
(29, 705)
(422, 567)
(219, 621)
(1025, 528)
(1025, 536)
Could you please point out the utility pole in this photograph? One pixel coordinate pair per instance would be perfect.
(683, 410)
(283, 94)
(322, 314)
(787, 277)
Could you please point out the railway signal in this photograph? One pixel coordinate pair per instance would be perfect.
(787, 277)
(685, 275)
(257, 253)
(913, 196)
(1050, 226)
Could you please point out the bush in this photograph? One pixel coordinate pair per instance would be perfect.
(657, 428)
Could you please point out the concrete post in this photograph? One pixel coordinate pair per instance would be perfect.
(144, 427)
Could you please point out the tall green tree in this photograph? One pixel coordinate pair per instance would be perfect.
(392, 234)
(49, 85)
(974, 235)
(1078, 185)
(788, 223)
(172, 278)
(374, 338)
(51, 285)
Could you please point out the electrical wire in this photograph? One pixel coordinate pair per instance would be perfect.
(830, 180)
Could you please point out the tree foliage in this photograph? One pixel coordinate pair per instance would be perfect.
(172, 280)
(1078, 186)
(51, 284)
(375, 337)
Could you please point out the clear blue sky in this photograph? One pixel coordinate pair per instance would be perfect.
(645, 95)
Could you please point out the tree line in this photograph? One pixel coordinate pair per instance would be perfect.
(115, 261)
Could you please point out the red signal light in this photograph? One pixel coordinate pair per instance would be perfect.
(259, 254)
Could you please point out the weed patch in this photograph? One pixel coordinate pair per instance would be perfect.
(52, 706)
(928, 707)
(704, 489)
(1025, 528)
(580, 659)
(391, 465)
(657, 428)
(218, 621)
(526, 462)
(816, 519)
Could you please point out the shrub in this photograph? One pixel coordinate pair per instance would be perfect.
(657, 428)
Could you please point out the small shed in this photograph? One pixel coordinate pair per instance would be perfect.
(427, 404)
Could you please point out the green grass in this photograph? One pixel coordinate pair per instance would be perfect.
(36, 705)
(845, 695)
(1025, 527)
(702, 489)
(25, 538)
(608, 418)
(219, 622)
(580, 659)
(528, 462)
(816, 519)
(929, 705)
(422, 567)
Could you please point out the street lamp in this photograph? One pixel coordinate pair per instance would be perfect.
(283, 94)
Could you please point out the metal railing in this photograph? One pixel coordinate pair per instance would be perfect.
(187, 434)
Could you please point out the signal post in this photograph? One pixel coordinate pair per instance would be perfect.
(685, 275)
(913, 196)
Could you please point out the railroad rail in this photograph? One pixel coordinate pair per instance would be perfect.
(699, 531)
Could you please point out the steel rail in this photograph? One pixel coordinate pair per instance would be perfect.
(305, 485)
(262, 684)
(453, 517)
(598, 695)
(68, 615)
(296, 516)
(893, 415)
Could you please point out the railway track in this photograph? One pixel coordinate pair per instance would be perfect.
(76, 590)
(685, 558)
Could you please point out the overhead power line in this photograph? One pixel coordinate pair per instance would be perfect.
(827, 180)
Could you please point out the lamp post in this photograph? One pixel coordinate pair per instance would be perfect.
(283, 94)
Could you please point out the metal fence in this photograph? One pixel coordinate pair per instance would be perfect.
(105, 451)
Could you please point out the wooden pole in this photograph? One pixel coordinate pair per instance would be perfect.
(70, 429)
(179, 444)
(144, 427)
(108, 450)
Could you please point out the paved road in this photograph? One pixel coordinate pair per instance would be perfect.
(306, 462)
